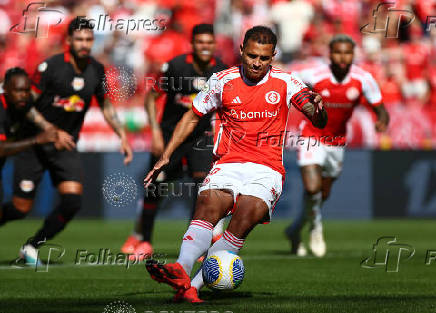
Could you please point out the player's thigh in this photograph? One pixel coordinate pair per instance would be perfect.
(28, 170)
(249, 211)
(65, 168)
(213, 204)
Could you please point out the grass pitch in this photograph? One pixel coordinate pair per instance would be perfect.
(274, 280)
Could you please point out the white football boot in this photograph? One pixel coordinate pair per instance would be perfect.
(30, 255)
(316, 242)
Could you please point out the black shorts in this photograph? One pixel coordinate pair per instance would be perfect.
(29, 166)
(198, 154)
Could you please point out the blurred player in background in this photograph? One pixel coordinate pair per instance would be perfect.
(252, 101)
(182, 78)
(15, 105)
(342, 86)
(63, 87)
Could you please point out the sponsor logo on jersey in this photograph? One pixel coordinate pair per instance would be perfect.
(272, 97)
(71, 104)
(242, 115)
(78, 83)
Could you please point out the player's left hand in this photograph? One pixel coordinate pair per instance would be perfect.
(317, 101)
(126, 150)
(157, 168)
(380, 126)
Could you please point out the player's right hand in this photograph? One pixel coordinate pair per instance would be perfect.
(157, 168)
(65, 141)
(157, 142)
(49, 135)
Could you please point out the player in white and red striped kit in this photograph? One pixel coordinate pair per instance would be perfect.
(342, 86)
(252, 101)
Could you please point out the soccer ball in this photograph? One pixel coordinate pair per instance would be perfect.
(223, 270)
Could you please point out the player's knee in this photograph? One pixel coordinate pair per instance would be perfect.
(22, 204)
(70, 204)
(312, 188)
(206, 209)
(70, 187)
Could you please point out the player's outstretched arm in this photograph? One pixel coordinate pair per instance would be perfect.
(64, 140)
(381, 125)
(183, 129)
(111, 117)
(157, 141)
(11, 148)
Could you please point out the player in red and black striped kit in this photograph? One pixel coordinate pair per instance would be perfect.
(63, 87)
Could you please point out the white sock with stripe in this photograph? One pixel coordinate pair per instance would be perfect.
(227, 242)
(195, 243)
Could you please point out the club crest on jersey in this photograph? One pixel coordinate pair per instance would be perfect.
(325, 93)
(272, 97)
(352, 93)
(78, 83)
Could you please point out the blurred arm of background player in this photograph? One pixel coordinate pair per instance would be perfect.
(10, 148)
(63, 141)
(157, 141)
(381, 125)
(183, 129)
(111, 117)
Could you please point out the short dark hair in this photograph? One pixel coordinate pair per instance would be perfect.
(79, 23)
(14, 71)
(261, 34)
(202, 29)
(341, 38)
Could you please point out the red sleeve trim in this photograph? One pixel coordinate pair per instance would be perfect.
(196, 111)
(2, 137)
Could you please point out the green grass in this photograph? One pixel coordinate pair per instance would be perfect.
(274, 281)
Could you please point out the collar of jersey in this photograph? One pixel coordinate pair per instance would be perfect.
(249, 82)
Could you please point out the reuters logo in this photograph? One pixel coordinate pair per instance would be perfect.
(272, 97)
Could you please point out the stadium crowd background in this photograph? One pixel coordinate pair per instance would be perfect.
(405, 67)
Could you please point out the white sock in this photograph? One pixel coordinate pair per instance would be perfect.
(219, 228)
(313, 208)
(195, 243)
(227, 242)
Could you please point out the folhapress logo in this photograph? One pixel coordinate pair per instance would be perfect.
(387, 253)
